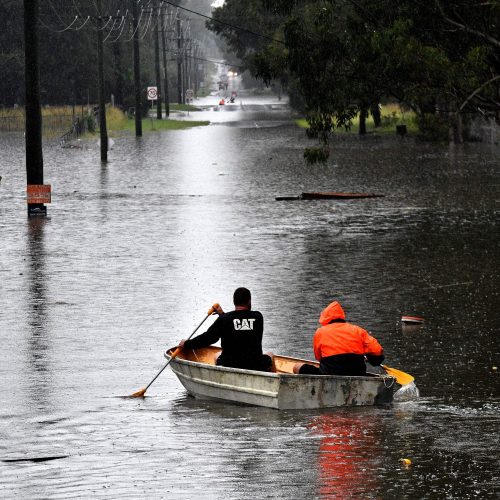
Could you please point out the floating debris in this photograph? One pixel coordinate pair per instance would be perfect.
(412, 320)
(329, 196)
(405, 461)
(341, 196)
(34, 459)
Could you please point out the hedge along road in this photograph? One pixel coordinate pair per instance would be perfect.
(132, 255)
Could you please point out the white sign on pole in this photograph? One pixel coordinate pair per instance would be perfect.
(189, 93)
(152, 93)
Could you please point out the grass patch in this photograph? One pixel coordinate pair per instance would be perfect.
(117, 120)
(183, 107)
(392, 115)
(55, 120)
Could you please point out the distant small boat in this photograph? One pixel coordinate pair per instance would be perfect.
(412, 320)
(280, 389)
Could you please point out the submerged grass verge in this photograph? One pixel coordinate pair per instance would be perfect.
(152, 126)
(392, 115)
(117, 121)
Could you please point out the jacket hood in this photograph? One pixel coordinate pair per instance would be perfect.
(331, 312)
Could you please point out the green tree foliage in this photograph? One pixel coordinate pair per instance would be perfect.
(260, 44)
(342, 57)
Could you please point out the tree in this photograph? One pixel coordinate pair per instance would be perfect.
(342, 57)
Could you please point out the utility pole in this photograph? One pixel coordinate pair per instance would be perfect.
(185, 68)
(117, 53)
(179, 62)
(100, 86)
(165, 71)
(195, 72)
(33, 130)
(137, 72)
(157, 61)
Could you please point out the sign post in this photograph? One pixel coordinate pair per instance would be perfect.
(152, 96)
(189, 97)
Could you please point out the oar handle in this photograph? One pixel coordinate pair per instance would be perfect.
(216, 308)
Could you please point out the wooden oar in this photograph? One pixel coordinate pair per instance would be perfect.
(402, 378)
(139, 394)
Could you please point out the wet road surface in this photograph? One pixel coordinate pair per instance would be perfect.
(134, 252)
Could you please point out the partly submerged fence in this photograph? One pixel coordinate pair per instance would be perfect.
(78, 128)
(51, 124)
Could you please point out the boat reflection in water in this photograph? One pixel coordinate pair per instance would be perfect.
(348, 455)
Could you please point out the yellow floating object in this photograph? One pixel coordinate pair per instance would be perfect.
(405, 461)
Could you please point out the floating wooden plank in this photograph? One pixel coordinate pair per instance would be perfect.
(286, 198)
(341, 196)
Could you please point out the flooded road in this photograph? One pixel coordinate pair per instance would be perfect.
(133, 254)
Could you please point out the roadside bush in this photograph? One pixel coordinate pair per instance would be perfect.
(116, 119)
(390, 120)
(90, 123)
(316, 155)
(432, 127)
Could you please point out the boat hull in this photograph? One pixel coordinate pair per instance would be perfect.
(281, 390)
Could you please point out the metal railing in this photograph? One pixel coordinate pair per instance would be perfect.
(78, 128)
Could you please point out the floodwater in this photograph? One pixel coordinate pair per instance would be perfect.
(133, 254)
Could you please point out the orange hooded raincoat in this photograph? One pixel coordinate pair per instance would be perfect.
(341, 347)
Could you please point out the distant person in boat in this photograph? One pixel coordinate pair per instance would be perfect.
(240, 332)
(341, 347)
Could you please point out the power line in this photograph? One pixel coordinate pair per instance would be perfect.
(68, 27)
(238, 28)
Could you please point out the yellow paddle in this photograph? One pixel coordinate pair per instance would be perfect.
(402, 378)
(214, 309)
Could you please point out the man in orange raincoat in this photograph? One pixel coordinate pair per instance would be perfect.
(341, 347)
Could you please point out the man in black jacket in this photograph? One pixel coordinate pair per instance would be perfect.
(240, 332)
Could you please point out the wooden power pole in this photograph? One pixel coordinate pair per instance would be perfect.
(166, 97)
(100, 84)
(179, 61)
(157, 61)
(137, 72)
(33, 130)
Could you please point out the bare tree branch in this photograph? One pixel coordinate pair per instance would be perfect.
(485, 84)
(480, 34)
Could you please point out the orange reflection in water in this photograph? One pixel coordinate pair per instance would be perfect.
(348, 456)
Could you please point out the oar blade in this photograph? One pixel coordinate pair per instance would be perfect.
(402, 378)
(139, 394)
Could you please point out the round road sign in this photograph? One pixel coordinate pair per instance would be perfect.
(152, 93)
